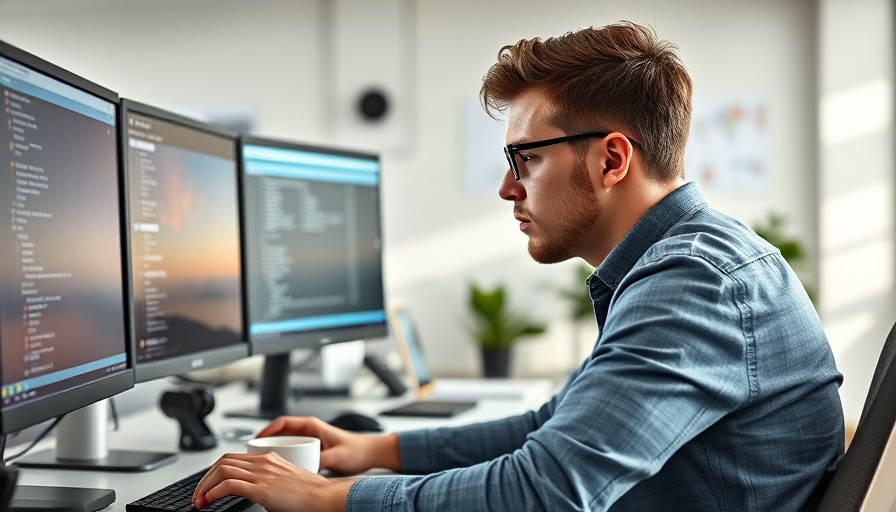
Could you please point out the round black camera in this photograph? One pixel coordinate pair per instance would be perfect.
(373, 105)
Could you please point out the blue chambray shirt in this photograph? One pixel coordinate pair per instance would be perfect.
(711, 387)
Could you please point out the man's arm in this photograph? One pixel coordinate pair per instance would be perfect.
(430, 450)
(658, 378)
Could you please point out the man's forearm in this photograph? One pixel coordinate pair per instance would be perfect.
(385, 452)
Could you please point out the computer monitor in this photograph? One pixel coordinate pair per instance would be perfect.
(313, 245)
(186, 260)
(63, 288)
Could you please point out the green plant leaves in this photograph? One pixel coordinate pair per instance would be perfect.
(495, 326)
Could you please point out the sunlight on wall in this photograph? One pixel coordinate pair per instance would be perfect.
(849, 217)
(863, 272)
(856, 243)
(855, 112)
(856, 227)
(845, 332)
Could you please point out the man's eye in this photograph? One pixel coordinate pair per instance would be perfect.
(525, 158)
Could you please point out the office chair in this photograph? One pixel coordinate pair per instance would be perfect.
(8, 477)
(848, 487)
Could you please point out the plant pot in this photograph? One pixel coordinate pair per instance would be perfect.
(496, 362)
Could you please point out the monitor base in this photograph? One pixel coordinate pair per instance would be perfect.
(116, 460)
(34, 498)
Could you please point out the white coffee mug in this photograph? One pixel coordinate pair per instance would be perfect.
(303, 451)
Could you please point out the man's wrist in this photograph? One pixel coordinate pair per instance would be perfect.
(337, 494)
(386, 452)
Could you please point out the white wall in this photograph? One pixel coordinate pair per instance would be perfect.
(187, 55)
(856, 192)
(270, 56)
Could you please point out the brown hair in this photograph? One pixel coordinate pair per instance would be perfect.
(619, 77)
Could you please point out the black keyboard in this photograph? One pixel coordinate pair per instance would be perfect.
(178, 496)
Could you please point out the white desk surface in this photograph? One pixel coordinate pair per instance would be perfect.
(150, 430)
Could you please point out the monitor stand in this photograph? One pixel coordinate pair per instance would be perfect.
(35, 498)
(81, 444)
(277, 396)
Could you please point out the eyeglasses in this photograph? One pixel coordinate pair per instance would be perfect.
(512, 149)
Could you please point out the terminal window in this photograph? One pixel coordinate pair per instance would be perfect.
(313, 240)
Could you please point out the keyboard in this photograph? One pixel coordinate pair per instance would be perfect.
(178, 496)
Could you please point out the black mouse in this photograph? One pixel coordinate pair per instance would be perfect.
(356, 422)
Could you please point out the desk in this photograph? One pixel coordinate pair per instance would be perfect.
(150, 430)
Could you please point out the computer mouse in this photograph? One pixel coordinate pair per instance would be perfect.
(356, 422)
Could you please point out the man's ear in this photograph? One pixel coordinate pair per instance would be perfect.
(617, 158)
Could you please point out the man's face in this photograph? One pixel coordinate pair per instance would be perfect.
(554, 200)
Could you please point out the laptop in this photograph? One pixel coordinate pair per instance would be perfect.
(418, 373)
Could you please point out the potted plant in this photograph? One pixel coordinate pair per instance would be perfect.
(496, 328)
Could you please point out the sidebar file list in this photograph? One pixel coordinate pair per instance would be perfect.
(31, 183)
(149, 257)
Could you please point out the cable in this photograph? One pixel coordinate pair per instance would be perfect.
(308, 361)
(114, 411)
(39, 438)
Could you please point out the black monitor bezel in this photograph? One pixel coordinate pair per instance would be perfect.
(311, 339)
(43, 409)
(181, 364)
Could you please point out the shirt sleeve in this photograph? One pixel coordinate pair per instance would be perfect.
(671, 361)
(430, 450)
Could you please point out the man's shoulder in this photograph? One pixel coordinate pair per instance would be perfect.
(724, 242)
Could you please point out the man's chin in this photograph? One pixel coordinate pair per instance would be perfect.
(544, 255)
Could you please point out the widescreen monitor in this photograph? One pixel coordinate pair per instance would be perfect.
(186, 259)
(63, 288)
(313, 242)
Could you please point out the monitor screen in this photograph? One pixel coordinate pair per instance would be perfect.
(410, 347)
(313, 245)
(313, 255)
(63, 319)
(186, 262)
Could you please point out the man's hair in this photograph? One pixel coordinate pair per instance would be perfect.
(619, 77)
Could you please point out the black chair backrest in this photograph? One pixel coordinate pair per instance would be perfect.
(8, 477)
(849, 485)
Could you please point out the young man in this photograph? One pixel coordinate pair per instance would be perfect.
(711, 385)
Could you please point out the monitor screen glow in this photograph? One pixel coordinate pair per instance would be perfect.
(186, 263)
(63, 320)
(314, 248)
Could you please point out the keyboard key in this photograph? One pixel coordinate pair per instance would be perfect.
(178, 496)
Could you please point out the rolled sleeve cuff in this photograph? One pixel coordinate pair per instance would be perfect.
(415, 451)
(372, 494)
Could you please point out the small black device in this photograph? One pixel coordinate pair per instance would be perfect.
(189, 408)
(356, 422)
(431, 408)
(179, 496)
(379, 368)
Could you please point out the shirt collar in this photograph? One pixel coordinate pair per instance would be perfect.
(647, 231)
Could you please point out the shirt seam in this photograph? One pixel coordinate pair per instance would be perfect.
(746, 313)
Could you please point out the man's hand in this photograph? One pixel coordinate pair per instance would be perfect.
(342, 452)
(270, 481)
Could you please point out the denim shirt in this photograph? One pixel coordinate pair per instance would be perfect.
(711, 387)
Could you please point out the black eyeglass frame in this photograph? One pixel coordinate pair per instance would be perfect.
(512, 149)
